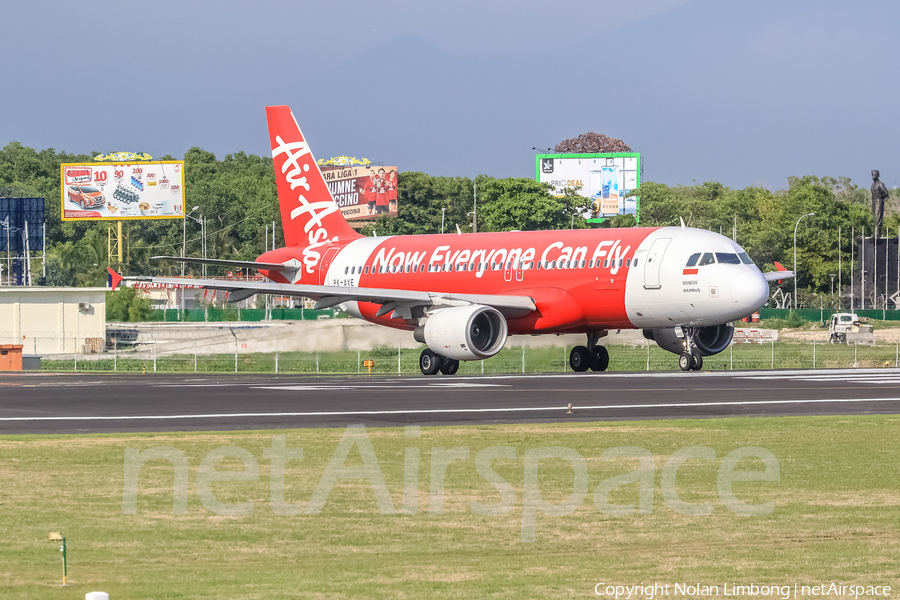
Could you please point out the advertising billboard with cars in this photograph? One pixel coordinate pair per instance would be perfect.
(363, 191)
(115, 191)
(606, 179)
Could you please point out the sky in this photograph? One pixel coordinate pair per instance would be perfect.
(744, 93)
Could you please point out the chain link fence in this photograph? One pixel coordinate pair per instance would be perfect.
(236, 354)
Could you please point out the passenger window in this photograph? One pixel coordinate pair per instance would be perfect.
(693, 260)
(628, 263)
(591, 264)
(707, 259)
(367, 270)
(346, 270)
(422, 269)
(605, 263)
(620, 262)
(635, 263)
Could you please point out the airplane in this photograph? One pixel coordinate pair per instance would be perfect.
(464, 294)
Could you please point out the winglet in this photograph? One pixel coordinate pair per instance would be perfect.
(114, 279)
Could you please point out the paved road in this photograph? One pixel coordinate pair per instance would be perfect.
(71, 403)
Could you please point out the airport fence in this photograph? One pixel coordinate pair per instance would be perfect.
(148, 357)
(232, 314)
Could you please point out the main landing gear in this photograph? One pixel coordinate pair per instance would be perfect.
(430, 363)
(690, 359)
(593, 356)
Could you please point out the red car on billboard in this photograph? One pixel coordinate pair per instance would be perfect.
(86, 195)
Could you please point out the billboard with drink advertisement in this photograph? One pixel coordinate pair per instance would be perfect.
(363, 191)
(606, 179)
(111, 191)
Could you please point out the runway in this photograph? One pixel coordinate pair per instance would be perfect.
(107, 403)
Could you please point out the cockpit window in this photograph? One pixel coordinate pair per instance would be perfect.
(745, 258)
(727, 258)
(693, 260)
(707, 259)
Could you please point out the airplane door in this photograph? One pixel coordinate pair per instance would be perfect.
(654, 262)
(507, 270)
(520, 270)
(326, 262)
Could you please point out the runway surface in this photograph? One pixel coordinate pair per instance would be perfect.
(83, 403)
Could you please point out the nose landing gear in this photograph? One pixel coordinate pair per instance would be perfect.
(690, 359)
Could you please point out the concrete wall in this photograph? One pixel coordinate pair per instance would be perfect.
(327, 335)
(47, 320)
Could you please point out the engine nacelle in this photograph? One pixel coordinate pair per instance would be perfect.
(709, 340)
(472, 332)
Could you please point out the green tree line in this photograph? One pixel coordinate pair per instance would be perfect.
(237, 197)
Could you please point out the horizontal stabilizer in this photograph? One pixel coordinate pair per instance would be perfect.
(777, 275)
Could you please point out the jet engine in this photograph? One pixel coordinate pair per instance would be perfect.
(473, 332)
(708, 340)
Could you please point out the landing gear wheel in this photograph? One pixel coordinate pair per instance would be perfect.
(697, 362)
(429, 362)
(580, 359)
(686, 361)
(449, 366)
(600, 357)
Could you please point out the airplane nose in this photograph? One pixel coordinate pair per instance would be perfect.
(750, 290)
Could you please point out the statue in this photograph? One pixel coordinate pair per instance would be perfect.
(879, 195)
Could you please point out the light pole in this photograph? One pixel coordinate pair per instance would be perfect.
(442, 219)
(184, 236)
(196, 220)
(795, 254)
(832, 275)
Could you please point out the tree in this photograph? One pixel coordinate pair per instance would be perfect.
(127, 304)
(526, 205)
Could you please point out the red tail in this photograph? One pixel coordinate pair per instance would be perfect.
(309, 215)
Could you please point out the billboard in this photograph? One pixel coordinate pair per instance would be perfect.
(21, 225)
(604, 178)
(114, 191)
(363, 191)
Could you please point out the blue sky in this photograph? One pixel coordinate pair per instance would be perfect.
(743, 93)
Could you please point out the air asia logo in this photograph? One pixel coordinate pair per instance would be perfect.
(310, 213)
(546, 165)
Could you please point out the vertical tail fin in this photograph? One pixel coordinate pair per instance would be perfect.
(309, 215)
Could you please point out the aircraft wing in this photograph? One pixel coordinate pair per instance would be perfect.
(241, 264)
(327, 296)
(777, 275)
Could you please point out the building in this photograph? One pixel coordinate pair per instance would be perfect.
(53, 320)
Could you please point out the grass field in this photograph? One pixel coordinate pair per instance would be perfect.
(836, 514)
(510, 360)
